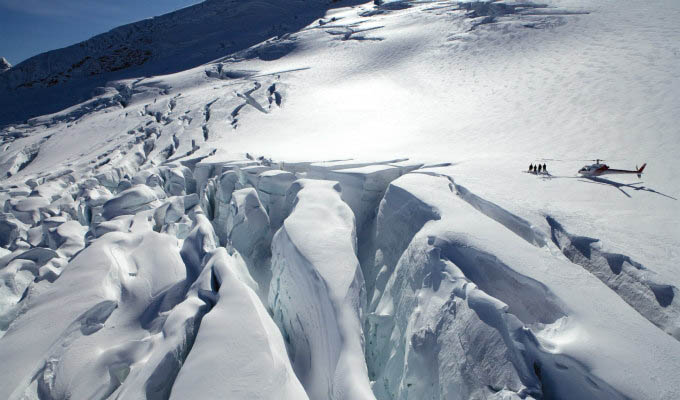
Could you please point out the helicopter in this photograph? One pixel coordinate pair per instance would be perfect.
(603, 169)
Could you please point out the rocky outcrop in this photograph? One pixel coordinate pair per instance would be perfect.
(4, 64)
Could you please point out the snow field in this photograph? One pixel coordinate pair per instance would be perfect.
(444, 294)
(382, 242)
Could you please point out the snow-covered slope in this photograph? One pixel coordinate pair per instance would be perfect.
(169, 43)
(4, 64)
(338, 208)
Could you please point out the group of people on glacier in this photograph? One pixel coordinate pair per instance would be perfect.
(538, 168)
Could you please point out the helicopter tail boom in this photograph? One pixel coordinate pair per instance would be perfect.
(637, 171)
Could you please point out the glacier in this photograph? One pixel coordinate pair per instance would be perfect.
(312, 200)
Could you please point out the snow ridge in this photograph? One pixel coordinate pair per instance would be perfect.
(377, 241)
(637, 286)
(424, 295)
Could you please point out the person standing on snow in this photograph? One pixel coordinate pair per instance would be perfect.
(531, 167)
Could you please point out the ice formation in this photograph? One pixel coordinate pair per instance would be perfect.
(333, 206)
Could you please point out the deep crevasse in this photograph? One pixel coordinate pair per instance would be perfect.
(442, 304)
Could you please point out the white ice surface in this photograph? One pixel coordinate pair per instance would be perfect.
(357, 173)
(317, 293)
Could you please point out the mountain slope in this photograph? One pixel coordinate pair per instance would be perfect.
(342, 210)
(169, 43)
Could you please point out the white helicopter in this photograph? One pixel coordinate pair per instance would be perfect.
(603, 169)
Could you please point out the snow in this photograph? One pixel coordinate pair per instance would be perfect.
(119, 272)
(244, 351)
(323, 326)
(287, 200)
(4, 64)
(503, 266)
(130, 201)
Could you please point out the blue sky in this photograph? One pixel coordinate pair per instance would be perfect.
(30, 27)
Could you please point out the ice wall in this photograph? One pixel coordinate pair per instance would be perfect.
(250, 278)
(317, 292)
